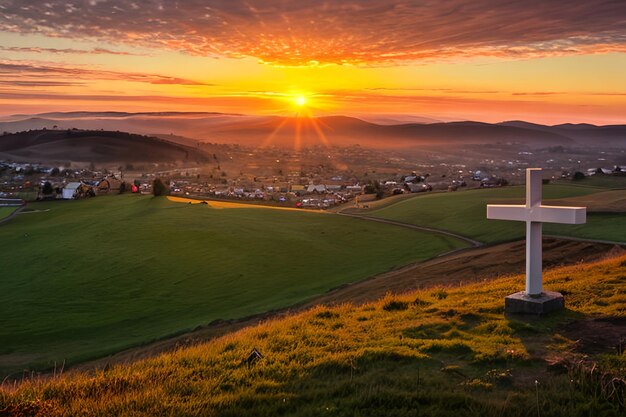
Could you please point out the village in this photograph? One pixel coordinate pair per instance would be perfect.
(315, 177)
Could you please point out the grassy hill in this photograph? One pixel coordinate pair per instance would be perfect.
(600, 180)
(94, 146)
(436, 352)
(465, 213)
(88, 278)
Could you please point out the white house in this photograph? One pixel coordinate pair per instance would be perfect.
(316, 188)
(69, 191)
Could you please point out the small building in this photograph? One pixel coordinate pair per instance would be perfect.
(70, 190)
(321, 188)
(74, 190)
(354, 188)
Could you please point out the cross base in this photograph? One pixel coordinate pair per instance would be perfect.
(521, 303)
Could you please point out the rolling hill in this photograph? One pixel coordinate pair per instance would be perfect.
(84, 279)
(346, 131)
(463, 212)
(335, 130)
(98, 146)
(583, 133)
(439, 352)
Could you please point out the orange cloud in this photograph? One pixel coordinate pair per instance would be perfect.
(37, 50)
(10, 70)
(367, 32)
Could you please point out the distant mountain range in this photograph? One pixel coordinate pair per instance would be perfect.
(387, 132)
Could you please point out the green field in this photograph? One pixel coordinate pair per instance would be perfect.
(439, 352)
(599, 180)
(465, 213)
(5, 211)
(88, 278)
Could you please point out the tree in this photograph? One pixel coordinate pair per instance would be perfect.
(374, 187)
(158, 187)
(47, 188)
(578, 176)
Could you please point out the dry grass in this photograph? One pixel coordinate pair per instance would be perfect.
(214, 204)
(442, 351)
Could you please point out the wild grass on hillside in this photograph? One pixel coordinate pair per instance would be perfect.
(437, 352)
(83, 279)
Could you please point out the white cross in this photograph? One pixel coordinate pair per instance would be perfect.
(533, 213)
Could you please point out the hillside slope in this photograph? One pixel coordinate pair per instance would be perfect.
(97, 146)
(441, 352)
(83, 279)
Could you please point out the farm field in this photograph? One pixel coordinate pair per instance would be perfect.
(88, 278)
(436, 352)
(464, 212)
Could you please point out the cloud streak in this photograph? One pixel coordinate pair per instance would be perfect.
(369, 32)
(27, 71)
(94, 51)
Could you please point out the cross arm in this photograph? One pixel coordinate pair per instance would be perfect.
(507, 212)
(556, 214)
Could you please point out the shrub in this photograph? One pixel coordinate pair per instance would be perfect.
(158, 187)
(440, 294)
(327, 314)
(395, 305)
(47, 188)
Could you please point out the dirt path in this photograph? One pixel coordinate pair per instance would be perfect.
(472, 242)
(465, 266)
(10, 216)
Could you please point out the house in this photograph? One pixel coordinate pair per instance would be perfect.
(74, 190)
(69, 191)
(104, 186)
(354, 188)
(321, 188)
(108, 184)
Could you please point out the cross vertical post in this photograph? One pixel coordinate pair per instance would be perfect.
(533, 233)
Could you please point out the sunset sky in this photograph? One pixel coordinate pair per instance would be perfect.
(488, 60)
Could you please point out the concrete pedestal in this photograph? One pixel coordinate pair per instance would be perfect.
(521, 303)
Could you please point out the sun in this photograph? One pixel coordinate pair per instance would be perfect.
(300, 101)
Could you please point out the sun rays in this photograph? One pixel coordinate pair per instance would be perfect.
(303, 120)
